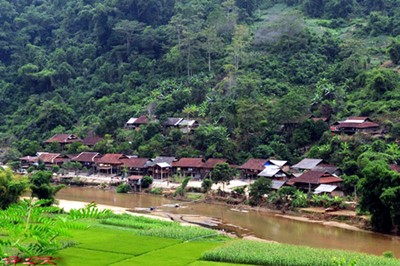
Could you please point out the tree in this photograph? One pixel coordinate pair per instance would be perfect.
(130, 29)
(40, 184)
(206, 185)
(222, 173)
(10, 188)
(258, 189)
(377, 187)
(394, 51)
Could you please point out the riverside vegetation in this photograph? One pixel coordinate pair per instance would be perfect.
(91, 237)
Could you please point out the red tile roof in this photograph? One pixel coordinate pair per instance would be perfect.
(316, 119)
(135, 177)
(135, 162)
(211, 162)
(189, 163)
(91, 141)
(111, 158)
(63, 138)
(254, 164)
(316, 177)
(394, 167)
(357, 125)
(86, 157)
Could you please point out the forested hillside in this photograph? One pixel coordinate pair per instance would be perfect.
(242, 68)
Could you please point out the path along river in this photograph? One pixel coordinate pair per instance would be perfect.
(260, 224)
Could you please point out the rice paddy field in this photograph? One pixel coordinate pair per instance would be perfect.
(104, 239)
(127, 240)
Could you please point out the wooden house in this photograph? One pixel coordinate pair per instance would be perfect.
(310, 180)
(135, 181)
(87, 159)
(110, 163)
(91, 141)
(136, 166)
(47, 158)
(187, 126)
(330, 190)
(63, 139)
(171, 122)
(355, 124)
(136, 122)
(209, 165)
(252, 168)
(275, 173)
(161, 171)
(188, 167)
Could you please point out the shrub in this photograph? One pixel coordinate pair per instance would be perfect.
(147, 181)
(123, 188)
(206, 185)
(156, 191)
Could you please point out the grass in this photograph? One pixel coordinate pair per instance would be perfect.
(260, 253)
(134, 240)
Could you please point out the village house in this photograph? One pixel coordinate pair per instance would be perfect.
(63, 139)
(91, 141)
(135, 181)
(310, 180)
(160, 167)
(87, 159)
(331, 190)
(136, 122)
(209, 165)
(110, 163)
(252, 168)
(188, 167)
(171, 122)
(308, 164)
(187, 126)
(47, 158)
(136, 166)
(355, 124)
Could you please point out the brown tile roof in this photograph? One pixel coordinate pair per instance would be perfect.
(32, 159)
(135, 162)
(211, 162)
(357, 125)
(48, 157)
(330, 179)
(316, 177)
(316, 119)
(189, 163)
(111, 158)
(394, 167)
(254, 164)
(91, 141)
(141, 120)
(63, 138)
(86, 157)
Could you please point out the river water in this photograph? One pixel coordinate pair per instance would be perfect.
(260, 224)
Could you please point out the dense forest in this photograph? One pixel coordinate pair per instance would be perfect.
(249, 71)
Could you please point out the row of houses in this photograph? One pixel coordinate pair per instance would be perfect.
(184, 125)
(308, 174)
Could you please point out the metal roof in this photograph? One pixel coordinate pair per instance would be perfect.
(324, 188)
(270, 171)
(307, 163)
(163, 165)
(277, 184)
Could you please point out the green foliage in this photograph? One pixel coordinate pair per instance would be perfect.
(147, 181)
(379, 189)
(40, 185)
(156, 191)
(10, 188)
(258, 189)
(258, 253)
(222, 173)
(206, 185)
(90, 212)
(123, 188)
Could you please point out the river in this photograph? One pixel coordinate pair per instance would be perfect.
(260, 224)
